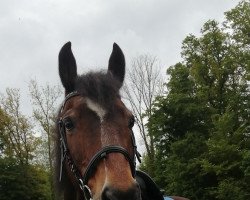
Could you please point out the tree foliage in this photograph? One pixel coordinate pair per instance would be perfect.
(18, 140)
(22, 181)
(44, 99)
(201, 125)
(20, 177)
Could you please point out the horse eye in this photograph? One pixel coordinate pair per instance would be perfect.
(68, 124)
(131, 122)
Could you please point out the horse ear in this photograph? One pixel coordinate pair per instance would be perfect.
(67, 68)
(117, 63)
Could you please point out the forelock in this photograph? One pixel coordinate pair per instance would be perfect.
(100, 87)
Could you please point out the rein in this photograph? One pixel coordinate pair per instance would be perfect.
(101, 154)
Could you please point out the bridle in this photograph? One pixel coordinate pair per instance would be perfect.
(101, 154)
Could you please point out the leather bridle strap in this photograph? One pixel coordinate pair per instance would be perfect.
(72, 94)
(102, 154)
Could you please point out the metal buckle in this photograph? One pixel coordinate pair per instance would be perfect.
(86, 190)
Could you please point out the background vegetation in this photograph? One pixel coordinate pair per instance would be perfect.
(201, 124)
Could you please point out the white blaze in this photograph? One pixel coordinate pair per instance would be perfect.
(95, 107)
(101, 112)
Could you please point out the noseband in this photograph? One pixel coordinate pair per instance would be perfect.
(101, 154)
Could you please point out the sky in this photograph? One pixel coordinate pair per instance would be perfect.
(32, 33)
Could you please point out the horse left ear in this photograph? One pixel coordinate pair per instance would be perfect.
(117, 63)
(67, 68)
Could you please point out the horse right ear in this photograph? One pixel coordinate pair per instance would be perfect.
(67, 68)
(117, 63)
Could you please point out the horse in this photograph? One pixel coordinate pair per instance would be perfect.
(95, 146)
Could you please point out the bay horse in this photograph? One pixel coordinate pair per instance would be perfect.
(95, 146)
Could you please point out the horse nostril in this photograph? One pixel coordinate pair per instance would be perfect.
(107, 194)
(110, 193)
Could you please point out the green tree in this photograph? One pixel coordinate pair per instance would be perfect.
(45, 100)
(17, 135)
(20, 178)
(180, 130)
(22, 181)
(4, 119)
(201, 125)
(238, 21)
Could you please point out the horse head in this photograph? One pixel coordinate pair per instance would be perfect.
(95, 143)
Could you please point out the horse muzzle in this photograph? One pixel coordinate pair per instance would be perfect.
(111, 193)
